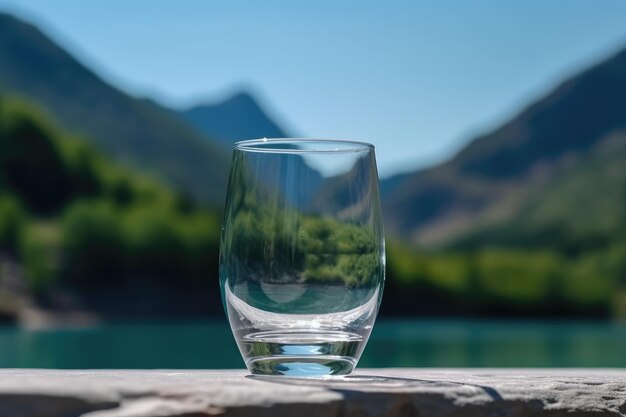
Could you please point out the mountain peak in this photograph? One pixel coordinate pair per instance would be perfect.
(6, 18)
(241, 97)
(238, 117)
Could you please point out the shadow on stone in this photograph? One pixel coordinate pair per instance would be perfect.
(358, 382)
(42, 405)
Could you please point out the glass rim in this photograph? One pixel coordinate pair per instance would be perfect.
(271, 145)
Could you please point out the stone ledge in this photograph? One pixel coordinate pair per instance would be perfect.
(369, 392)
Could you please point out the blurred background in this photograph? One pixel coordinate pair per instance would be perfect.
(500, 132)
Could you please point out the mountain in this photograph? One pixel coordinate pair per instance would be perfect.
(500, 179)
(139, 132)
(238, 117)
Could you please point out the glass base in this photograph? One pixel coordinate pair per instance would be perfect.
(301, 353)
(301, 366)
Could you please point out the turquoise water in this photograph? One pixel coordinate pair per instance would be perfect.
(445, 343)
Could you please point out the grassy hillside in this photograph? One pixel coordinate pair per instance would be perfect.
(581, 207)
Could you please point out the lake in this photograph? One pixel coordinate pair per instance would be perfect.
(411, 343)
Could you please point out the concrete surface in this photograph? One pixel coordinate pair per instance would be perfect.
(368, 392)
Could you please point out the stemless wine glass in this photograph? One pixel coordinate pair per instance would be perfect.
(302, 254)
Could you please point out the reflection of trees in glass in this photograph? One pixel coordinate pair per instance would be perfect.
(337, 251)
(306, 247)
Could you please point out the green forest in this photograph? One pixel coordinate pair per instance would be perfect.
(518, 281)
(70, 215)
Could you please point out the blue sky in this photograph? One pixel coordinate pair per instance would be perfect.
(416, 79)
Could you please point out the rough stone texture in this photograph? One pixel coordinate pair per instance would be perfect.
(369, 392)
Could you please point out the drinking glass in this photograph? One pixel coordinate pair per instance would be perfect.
(302, 254)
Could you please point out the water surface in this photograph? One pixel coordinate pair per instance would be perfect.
(394, 343)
